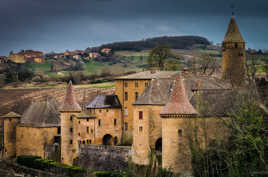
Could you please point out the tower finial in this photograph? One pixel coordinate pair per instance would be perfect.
(233, 9)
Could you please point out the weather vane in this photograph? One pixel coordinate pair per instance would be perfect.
(233, 9)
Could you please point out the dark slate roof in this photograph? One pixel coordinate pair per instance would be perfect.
(159, 89)
(157, 93)
(104, 101)
(148, 75)
(178, 102)
(42, 114)
(70, 104)
(213, 103)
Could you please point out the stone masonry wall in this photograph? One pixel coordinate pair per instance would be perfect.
(112, 158)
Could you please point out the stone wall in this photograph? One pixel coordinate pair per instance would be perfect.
(112, 158)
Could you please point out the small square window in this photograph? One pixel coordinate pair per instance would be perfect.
(71, 141)
(180, 132)
(59, 130)
(115, 122)
(91, 130)
(140, 129)
(99, 122)
(99, 110)
(125, 84)
(136, 84)
(71, 118)
(126, 96)
(107, 110)
(87, 120)
(78, 134)
(87, 129)
(136, 96)
(79, 121)
(71, 129)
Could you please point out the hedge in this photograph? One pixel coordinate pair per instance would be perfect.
(44, 164)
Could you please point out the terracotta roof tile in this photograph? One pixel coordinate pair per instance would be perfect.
(70, 103)
(178, 103)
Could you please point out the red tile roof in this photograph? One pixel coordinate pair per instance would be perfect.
(70, 103)
(178, 104)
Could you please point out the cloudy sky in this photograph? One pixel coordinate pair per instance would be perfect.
(57, 25)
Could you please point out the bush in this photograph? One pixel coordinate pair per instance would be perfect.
(44, 164)
(107, 174)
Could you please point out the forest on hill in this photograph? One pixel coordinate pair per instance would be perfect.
(174, 42)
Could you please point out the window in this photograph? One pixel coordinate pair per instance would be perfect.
(71, 141)
(59, 130)
(79, 121)
(136, 96)
(107, 110)
(87, 119)
(236, 45)
(71, 118)
(99, 122)
(84, 142)
(125, 84)
(126, 126)
(115, 122)
(126, 96)
(99, 110)
(78, 134)
(87, 130)
(126, 111)
(136, 84)
(89, 141)
(146, 84)
(240, 54)
(140, 129)
(91, 130)
(71, 129)
(180, 132)
(140, 115)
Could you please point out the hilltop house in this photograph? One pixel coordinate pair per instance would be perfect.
(27, 56)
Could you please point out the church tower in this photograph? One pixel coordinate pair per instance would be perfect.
(176, 116)
(68, 111)
(233, 55)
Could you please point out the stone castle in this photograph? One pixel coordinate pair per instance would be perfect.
(155, 111)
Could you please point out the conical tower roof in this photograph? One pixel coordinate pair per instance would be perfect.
(70, 104)
(233, 34)
(178, 104)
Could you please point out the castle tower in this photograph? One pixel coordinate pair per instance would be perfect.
(233, 55)
(69, 109)
(176, 115)
(11, 120)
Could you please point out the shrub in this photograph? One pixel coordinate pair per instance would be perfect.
(107, 174)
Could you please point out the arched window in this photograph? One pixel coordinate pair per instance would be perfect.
(180, 132)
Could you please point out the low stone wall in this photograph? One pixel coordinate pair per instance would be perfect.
(99, 157)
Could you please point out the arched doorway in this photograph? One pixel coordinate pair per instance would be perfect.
(107, 139)
(158, 145)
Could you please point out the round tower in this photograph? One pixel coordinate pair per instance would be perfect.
(176, 116)
(68, 110)
(233, 55)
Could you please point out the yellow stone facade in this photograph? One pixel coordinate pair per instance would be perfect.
(147, 131)
(34, 141)
(128, 91)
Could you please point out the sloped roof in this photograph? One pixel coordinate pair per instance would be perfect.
(159, 90)
(70, 104)
(148, 75)
(178, 102)
(233, 34)
(157, 93)
(42, 114)
(104, 101)
(11, 115)
(213, 103)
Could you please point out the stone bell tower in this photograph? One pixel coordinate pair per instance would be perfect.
(68, 111)
(233, 55)
(176, 116)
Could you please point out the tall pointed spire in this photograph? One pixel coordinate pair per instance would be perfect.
(70, 104)
(178, 104)
(233, 34)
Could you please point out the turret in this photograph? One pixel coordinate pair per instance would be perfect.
(233, 55)
(69, 110)
(176, 115)
(10, 122)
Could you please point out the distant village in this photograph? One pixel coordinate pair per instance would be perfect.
(31, 56)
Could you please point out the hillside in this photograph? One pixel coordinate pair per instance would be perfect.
(174, 42)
